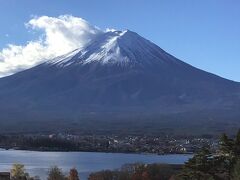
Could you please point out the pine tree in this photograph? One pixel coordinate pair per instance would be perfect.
(226, 145)
(198, 167)
(223, 165)
(236, 171)
(237, 145)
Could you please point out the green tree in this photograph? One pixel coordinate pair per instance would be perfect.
(236, 171)
(237, 145)
(55, 173)
(223, 165)
(226, 145)
(199, 167)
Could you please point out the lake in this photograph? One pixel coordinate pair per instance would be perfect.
(38, 163)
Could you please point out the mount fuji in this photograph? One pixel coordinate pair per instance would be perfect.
(119, 82)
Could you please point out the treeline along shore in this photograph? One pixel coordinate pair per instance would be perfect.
(223, 164)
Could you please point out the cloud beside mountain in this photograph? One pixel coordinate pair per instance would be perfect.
(60, 35)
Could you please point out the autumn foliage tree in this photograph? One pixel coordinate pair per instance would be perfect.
(73, 174)
(18, 172)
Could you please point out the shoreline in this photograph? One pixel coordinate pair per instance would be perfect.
(75, 151)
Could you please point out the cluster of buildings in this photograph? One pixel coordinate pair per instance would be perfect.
(138, 144)
(108, 143)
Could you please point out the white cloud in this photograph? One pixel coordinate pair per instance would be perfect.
(60, 35)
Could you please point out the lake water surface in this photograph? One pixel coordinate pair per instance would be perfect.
(38, 163)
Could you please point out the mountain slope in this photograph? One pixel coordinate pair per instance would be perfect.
(119, 77)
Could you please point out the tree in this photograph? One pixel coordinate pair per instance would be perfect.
(236, 171)
(198, 167)
(237, 145)
(55, 173)
(226, 145)
(102, 175)
(223, 165)
(145, 176)
(73, 174)
(18, 172)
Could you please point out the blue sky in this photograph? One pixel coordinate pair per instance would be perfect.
(205, 33)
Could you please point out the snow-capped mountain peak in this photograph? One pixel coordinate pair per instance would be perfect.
(115, 47)
(108, 50)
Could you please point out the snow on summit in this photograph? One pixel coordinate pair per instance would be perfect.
(114, 47)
